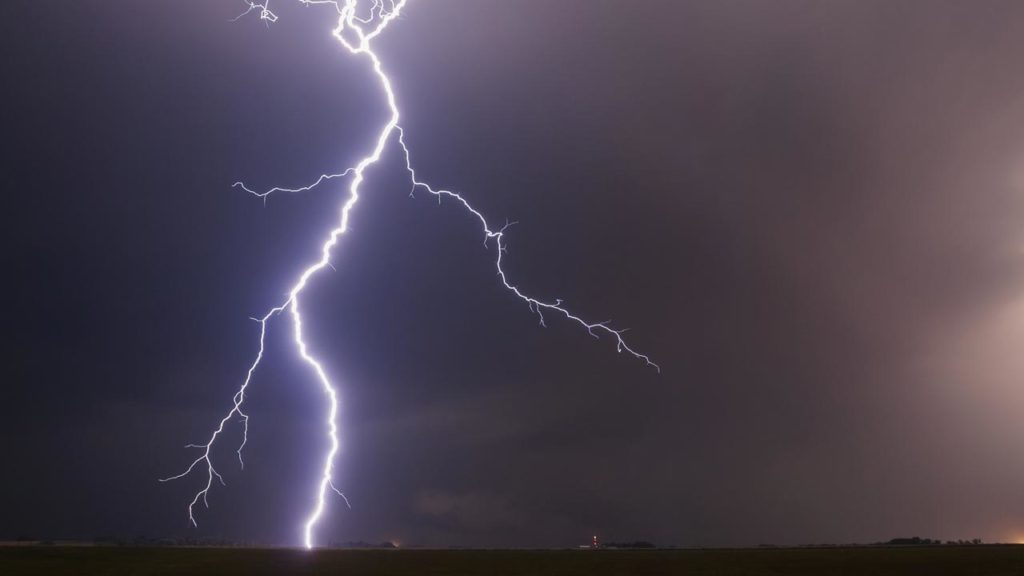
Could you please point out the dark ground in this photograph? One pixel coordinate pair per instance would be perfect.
(932, 561)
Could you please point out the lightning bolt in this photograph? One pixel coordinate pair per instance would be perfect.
(355, 32)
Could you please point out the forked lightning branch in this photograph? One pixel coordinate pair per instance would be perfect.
(358, 24)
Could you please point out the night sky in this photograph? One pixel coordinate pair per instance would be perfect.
(809, 213)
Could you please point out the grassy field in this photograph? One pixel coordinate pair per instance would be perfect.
(937, 561)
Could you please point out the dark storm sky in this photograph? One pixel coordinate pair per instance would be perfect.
(809, 213)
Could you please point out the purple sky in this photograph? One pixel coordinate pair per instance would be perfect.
(810, 214)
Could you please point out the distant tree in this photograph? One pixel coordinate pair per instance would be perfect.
(915, 541)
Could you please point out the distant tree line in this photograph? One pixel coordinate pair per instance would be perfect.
(915, 541)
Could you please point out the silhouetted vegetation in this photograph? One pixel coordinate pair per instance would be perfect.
(915, 541)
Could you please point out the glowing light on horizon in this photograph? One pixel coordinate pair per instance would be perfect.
(355, 33)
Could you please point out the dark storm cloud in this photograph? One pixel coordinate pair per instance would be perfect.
(809, 213)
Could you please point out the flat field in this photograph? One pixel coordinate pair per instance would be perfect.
(115, 561)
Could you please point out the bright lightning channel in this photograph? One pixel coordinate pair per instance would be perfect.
(355, 33)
